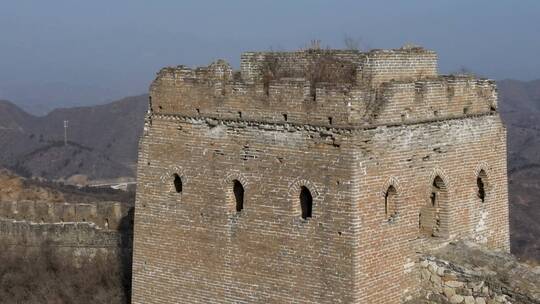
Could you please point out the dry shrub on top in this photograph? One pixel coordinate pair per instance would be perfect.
(321, 66)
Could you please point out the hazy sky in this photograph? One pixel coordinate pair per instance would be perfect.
(112, 48)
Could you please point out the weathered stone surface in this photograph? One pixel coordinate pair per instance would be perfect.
(469, 300)
(456, 299)
(454, 284)
(433, 268)
(86, 228)
(487, 275)
(436, 280)
(425, 274)
(106, 215)
(449, 292)
(480, 300)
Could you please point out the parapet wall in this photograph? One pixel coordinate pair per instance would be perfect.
(71, 235)
(254, 65)
(106, 215)
(348, 89)
(444, 97)
(410, 64)
(373, 68)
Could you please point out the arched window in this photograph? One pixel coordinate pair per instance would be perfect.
(437, 187)
(238, 190)
(433, 217)
(390, 204)
(481, 185)
(177, 183)
(306, 202)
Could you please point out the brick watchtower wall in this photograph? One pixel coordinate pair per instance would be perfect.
(312, 177)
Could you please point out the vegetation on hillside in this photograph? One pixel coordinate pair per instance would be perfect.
(46, 275)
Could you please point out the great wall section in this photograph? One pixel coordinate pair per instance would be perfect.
(87, 226)
(319, 176)
(32, 214)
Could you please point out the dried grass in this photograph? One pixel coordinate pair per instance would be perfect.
(45, 275)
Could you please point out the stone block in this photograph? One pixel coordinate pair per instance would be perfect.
(449, 292)
(455, 299)
(480, 300)
(469, 300)
(454, 284)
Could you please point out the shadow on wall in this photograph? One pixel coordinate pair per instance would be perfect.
(125, 254)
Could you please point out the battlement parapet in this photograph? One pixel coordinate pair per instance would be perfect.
(257, 66)
(69, 234)
(106, 215)
(441, 97)
(410, 64)
(365, 68)
(339, 88)
(290, 100)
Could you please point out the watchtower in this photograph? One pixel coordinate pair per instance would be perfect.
(312, 176)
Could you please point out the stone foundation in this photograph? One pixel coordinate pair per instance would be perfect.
(468, 273)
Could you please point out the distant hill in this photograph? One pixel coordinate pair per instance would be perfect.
(47, 96)
(102, 140)
(520, 109)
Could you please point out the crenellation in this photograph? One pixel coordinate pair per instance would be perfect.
(380, 66)
(388, 92)
(438, 98)
(106, 215)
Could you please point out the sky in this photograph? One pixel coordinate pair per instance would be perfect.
(73, 52)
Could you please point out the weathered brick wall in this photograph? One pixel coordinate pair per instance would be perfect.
(232, 256)
(374, 67)
(409, 157)
(106, 215)
(432, 99)
(173, 93)
(70, 235)
(80, 229)
(252, 63)
(212, 93)
(398, 126)
(380, 66)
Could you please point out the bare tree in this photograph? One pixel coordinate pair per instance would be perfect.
(351, 43)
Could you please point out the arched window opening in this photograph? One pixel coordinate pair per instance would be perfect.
(432, 217)
(481, 184)
(437, 187)
(390, 202)
(238, 190)
(106, 223)
(306, 202)
(177, 183)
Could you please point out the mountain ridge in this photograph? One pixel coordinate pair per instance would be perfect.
(110, 130)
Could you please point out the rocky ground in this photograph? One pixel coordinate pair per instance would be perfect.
(469, 273)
